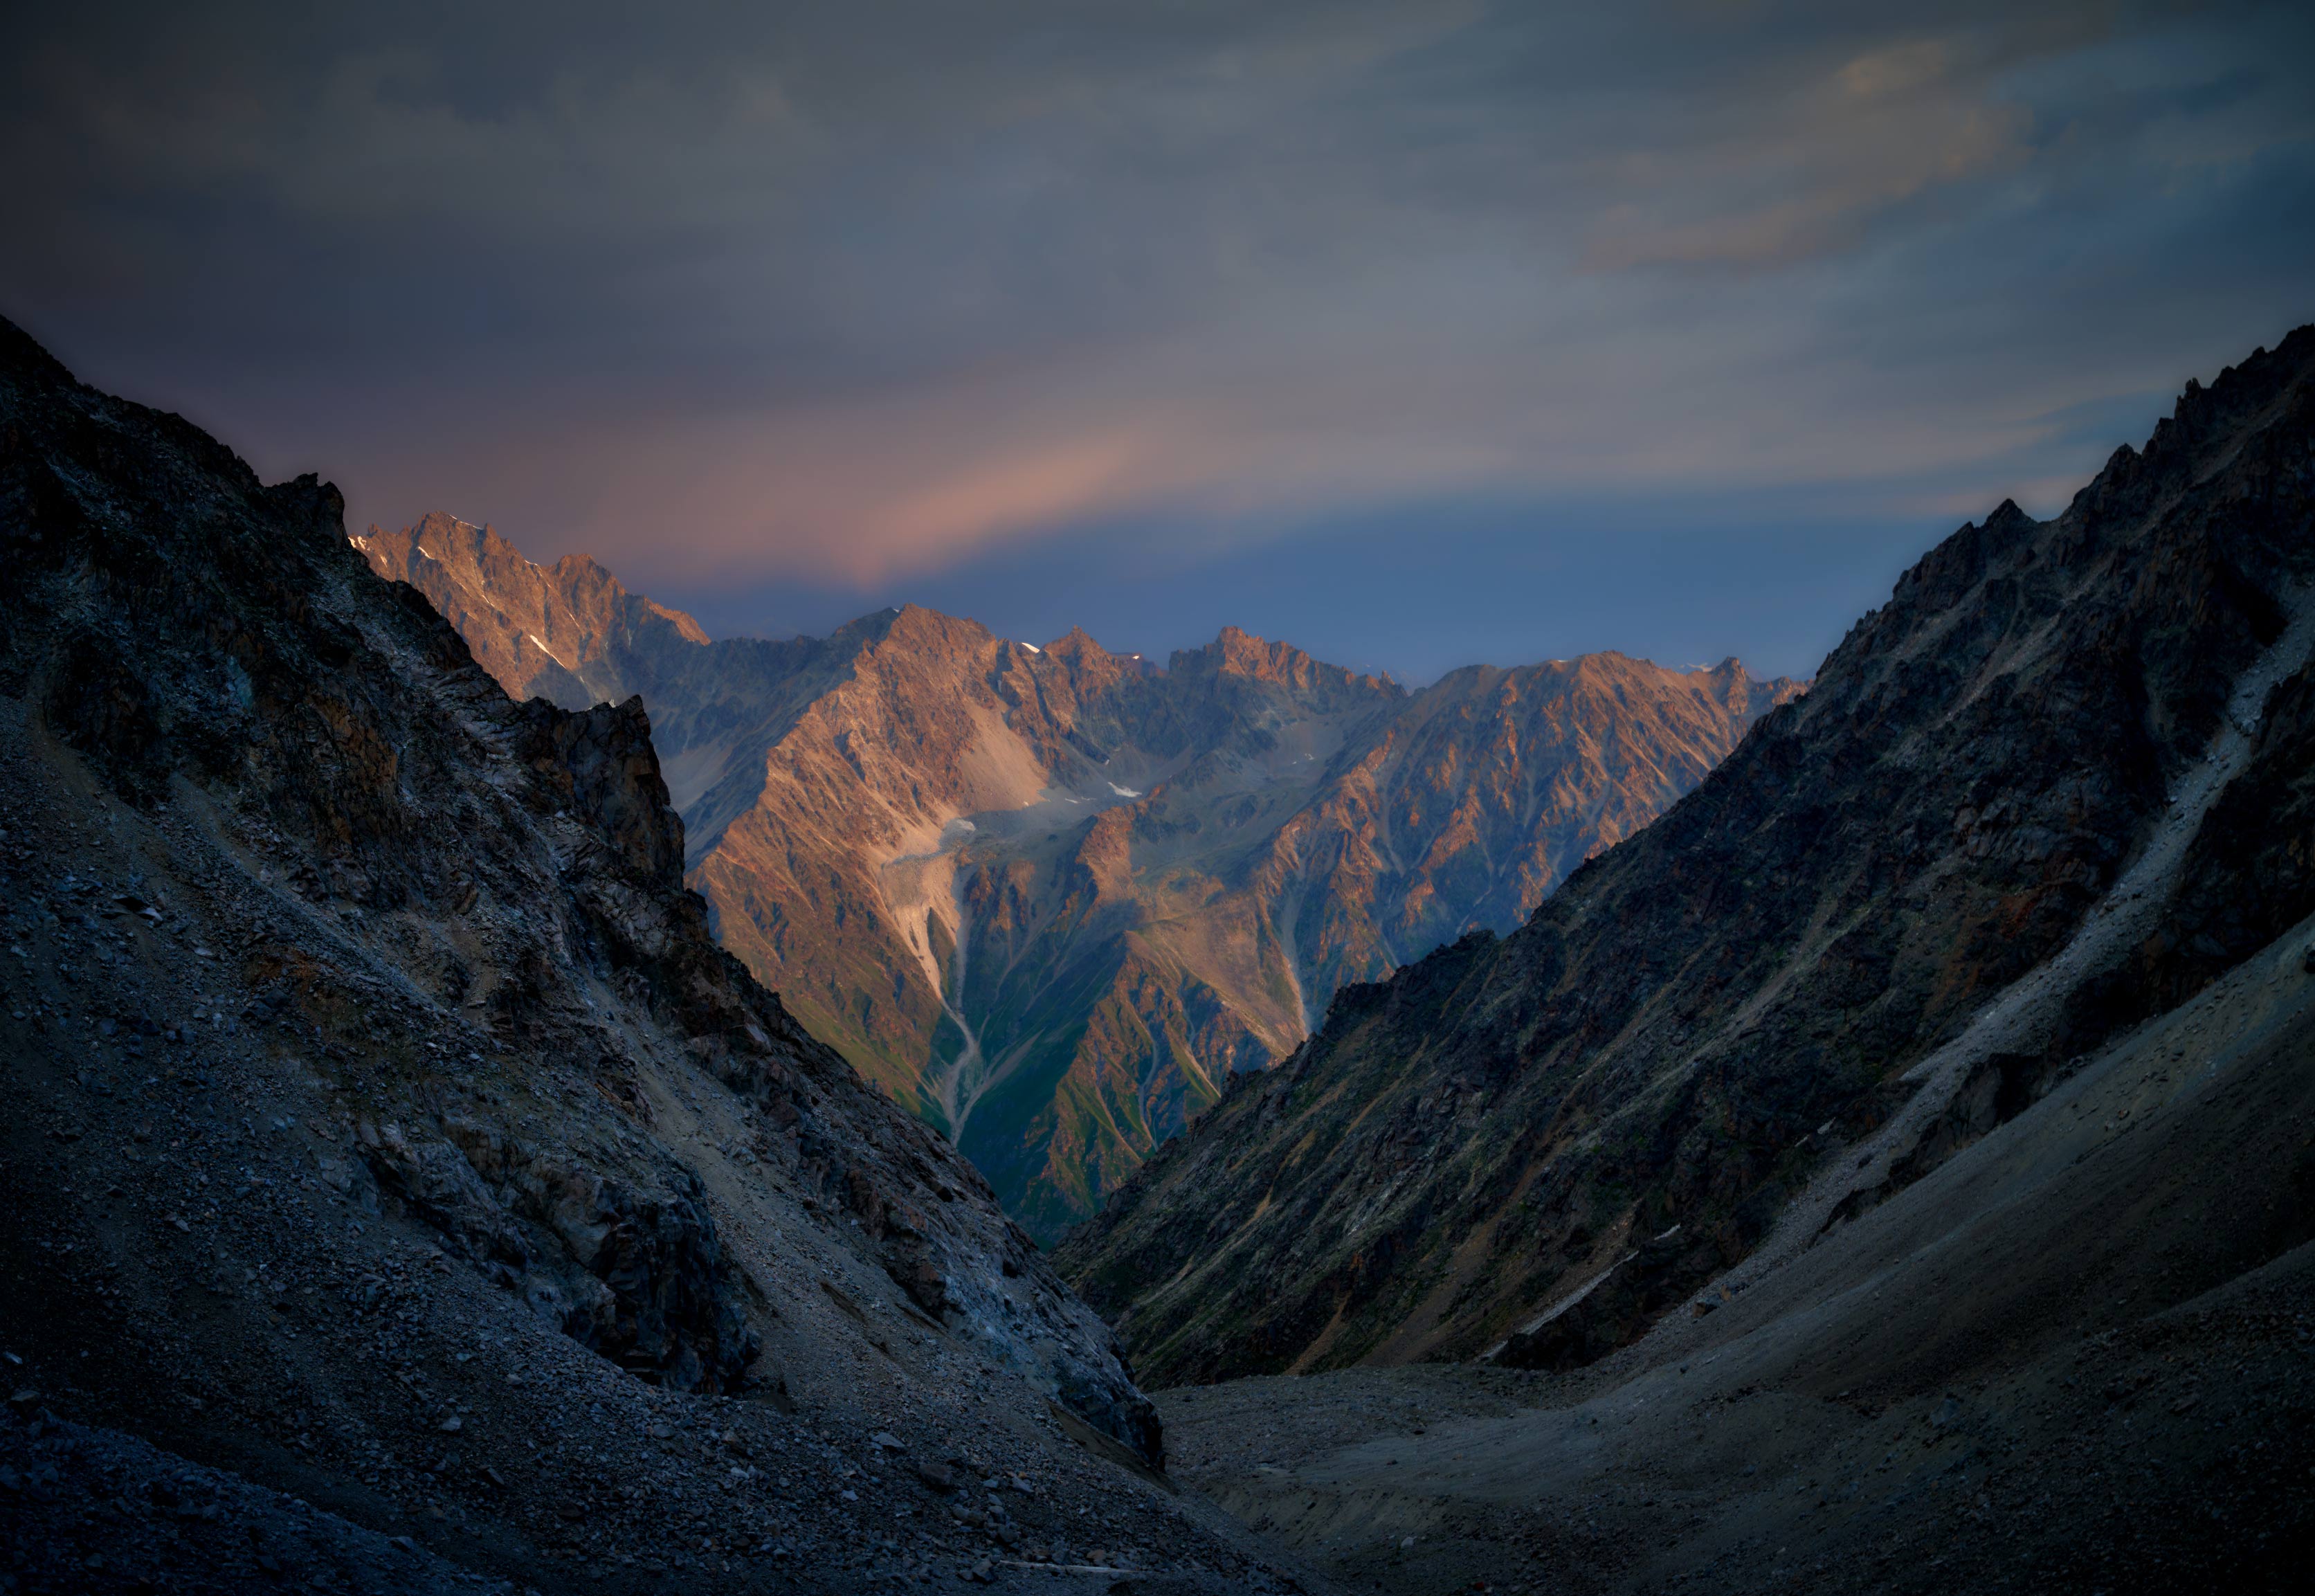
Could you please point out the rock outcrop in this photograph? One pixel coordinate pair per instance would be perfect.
(2052, 788)
(1053, 898)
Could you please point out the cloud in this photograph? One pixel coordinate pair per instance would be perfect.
(845, 294)
(1067, 481)
(1884, 128)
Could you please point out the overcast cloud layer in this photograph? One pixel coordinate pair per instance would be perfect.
(1415, 333)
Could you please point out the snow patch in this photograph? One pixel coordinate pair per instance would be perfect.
(1123, 792)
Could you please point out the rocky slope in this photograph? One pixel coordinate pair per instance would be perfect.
(1053, 897)
(384, 1126)
(2017, 811)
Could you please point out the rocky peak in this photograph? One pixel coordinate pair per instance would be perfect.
(1078, 644)
(570, 632)
(930, 633)
(1092, 670)
(1239, 653)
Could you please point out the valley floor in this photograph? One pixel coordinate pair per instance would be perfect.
(2080, 1355)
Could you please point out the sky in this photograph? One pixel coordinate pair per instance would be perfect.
(1417, 334)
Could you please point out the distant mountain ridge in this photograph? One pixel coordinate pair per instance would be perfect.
(1051, 897)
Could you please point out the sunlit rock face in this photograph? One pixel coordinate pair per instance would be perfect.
(1052, 898)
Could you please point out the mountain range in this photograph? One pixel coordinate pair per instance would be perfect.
(1052, 898)
(1890, 1168)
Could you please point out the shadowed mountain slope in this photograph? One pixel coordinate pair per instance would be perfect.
(1902, 909)
(1053, 898)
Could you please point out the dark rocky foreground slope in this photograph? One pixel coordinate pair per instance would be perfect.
(2053, 788)
(1053, 897)
(385, 1128)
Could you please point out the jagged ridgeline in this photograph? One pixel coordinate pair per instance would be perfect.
(1053, 898)
(2057, 783)
(449, 932)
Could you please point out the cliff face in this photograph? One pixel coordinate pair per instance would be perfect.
(397, 1131)
(570, 632)
(1053, 898)
(1899, 912)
